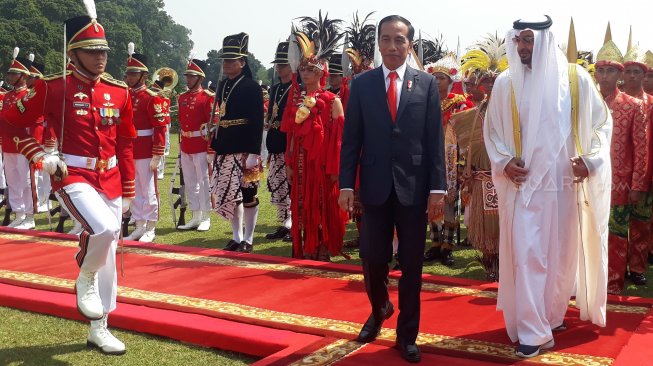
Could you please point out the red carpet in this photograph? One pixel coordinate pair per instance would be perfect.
(300, 308)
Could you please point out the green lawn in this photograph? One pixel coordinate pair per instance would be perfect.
(32, 339)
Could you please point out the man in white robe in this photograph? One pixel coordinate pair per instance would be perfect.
(552, 174)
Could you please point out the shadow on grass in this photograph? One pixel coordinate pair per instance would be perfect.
(39, 355)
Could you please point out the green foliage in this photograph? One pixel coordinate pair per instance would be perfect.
(36, 26)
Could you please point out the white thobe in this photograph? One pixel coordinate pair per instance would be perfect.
(540, 239)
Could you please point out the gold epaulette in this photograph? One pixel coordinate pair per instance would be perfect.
(209, 93)
(113, 81)
(56, 76)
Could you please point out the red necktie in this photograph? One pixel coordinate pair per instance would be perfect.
(392, 95)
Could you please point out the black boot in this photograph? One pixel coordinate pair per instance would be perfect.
(447, 257)
(280, 233)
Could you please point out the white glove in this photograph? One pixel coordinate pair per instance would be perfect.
(210, 158)
(52, 162)
(126, 202)
(50, 150)
(154, 163)
(252, 161)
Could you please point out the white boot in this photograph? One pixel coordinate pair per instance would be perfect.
(205, 222)
(77, 229)
(20, 217)
(27, 224)
(88, 295)
(193, 223)
(100, 337)
(149, 234)
(138, 232)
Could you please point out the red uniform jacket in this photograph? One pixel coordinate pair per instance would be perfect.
(98, 124)
(195, 111)
(149, 114)
(629, 146)
(8, 146)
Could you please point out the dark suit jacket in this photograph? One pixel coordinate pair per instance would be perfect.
(407, 154)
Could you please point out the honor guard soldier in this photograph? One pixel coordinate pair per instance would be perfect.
(237, 143)
(195, 107)
(16, 166)
(93, 175)
(41, 182)
(3, 183)
(275, 141)
(150, 124)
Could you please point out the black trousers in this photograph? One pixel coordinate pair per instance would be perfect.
(376, 254)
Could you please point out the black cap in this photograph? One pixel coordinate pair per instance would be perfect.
(281, 56)
(544, 24)
(234, 46)
(159, 83)
(335, 64)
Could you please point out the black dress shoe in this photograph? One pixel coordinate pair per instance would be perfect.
(650, 258)
(281, 232)
(245, 247)
(409, 352)
(447, 257)
(231, 246)
(287, 238)
(638, 278)
(371, 328)
(432, 254)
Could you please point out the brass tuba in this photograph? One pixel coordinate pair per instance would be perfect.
(169, 78)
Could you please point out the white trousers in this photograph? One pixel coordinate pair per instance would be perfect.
(100, 218)
(196, 181)
(3, 183)
(18, 183)
(43, 186)
(146, 203)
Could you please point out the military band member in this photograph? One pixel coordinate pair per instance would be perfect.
(150, 124)
(16, 166)
(275, 141)
(158, 88)
(96, 182)
(195, 107)
(237, 143)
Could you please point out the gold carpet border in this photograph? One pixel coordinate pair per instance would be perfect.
(312, 272)
(311, 322)
(330, 354)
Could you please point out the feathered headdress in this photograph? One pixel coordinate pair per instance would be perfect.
(361, 37)
(485, 58)
(317, 39)
(447, 65)
(433, 50)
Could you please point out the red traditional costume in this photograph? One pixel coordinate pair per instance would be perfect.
(314, 153)
(628, 154)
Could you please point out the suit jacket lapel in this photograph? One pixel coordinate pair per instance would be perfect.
(405, 94)
(379, 88)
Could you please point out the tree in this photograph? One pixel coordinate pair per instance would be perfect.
(36, 26)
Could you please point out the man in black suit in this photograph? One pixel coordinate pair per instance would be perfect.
(402, 176)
